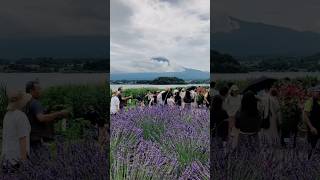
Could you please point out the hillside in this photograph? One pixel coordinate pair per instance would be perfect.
(224, 63)
(245, 38)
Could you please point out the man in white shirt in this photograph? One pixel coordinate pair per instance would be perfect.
(159, 98)
(115, 103)
(16, 131)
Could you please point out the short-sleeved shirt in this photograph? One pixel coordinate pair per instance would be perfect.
(39, 130)
(308, 105)
(122, 102)
(15, 126)
(115, 102)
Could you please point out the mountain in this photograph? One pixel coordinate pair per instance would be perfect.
(224, 63)
(242, 38)
(56, 47)
(187, 74)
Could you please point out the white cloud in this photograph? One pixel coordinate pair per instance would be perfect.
(177, 30)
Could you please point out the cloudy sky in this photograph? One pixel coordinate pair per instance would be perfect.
(144, 30)
(296, 14)
(55, 28)
(38, 18)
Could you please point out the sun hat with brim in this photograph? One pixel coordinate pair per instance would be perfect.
(315, 89)
(234, 88)
(17, 100)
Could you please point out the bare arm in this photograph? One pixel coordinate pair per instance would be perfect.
(126, 98)
(23, 148)
(307, 120)
(51, 117)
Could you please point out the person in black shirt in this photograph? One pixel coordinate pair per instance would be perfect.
(187, 100)
(41, 122)
(177, 98)
(312, 118)
(248, 120)
(123, 100)
(219, 125)
(166, 95)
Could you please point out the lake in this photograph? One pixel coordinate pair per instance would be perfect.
(18, 80)
(129, 86)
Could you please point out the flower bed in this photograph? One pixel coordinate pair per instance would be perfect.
(160, 142)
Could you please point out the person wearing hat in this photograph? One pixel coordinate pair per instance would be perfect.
(232, 105)
(312, 117)
(115, 103)
(41, 122)
(16, 131)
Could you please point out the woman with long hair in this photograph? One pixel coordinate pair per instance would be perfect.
(248, 121)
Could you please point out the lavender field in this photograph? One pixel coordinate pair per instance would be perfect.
(271, 162)
(160, 143)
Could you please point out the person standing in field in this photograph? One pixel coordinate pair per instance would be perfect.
(232, 104)
(187, 100)
(312, 118)
(272, 113)
(115, 103)
(171, 102)
(123, 100)
(159, 98)
(39, 120)
(248, 120)
(153, 101)
(166, 95)
(16, 132)
(177, 98)
(219, 125)
(213, 90)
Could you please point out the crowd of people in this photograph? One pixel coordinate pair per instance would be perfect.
(243, 119)
(193, 97)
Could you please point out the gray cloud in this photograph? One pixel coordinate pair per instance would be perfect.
(161, 60)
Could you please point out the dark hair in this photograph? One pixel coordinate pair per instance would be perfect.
(249, 104)
(30, 86)
(212, 84)
(230, 84)
(120, 88)
(217, 102)
(224, 91)
(187, 98)
(274, 92)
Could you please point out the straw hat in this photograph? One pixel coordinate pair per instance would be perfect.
(17, 100)
(234, 88)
